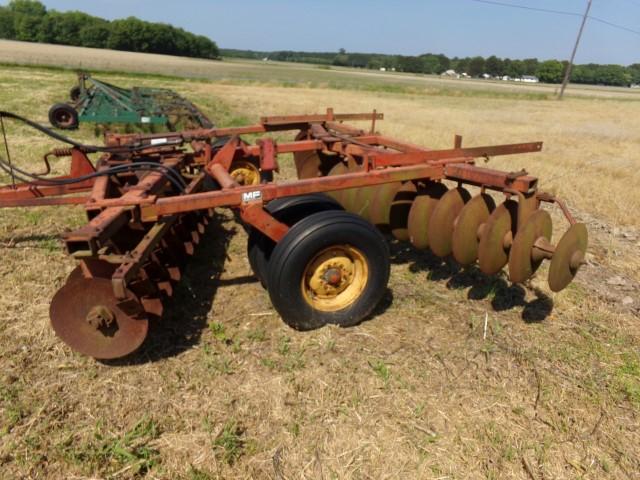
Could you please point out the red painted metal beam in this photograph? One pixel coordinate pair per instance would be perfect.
(235, 197)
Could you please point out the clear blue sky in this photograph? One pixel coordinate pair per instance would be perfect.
(452, 27)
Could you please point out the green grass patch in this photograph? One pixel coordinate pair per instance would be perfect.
(229, 443)
(114, 453)
(381, 370)
(628, 378)
(12, 409)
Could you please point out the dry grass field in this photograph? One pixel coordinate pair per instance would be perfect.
(456, 376)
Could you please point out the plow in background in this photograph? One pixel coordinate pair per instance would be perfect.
(314, 242)
(102, 103)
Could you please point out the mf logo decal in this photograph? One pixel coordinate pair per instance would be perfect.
(251, 196)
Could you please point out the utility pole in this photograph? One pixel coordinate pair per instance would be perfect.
(567, 73)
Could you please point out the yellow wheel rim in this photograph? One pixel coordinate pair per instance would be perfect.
(335, 278)
(245, 173)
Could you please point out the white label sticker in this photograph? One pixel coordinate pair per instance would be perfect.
(158, 141)
(251, 196)
(145, 119)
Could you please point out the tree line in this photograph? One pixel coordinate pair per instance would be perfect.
(549, 71)
(30, 21)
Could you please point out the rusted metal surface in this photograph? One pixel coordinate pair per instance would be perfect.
(150, 196)
(43, 191)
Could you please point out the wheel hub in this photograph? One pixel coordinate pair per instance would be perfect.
(245, 173)
(100, 317)
(335, 278)
(63, 118)
(332, 276)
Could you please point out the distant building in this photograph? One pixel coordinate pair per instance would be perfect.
(383, 69)
(506, 78)
(486, 76)
(450, 73)
(529, 79)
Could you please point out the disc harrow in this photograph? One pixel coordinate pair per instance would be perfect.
(315, 242)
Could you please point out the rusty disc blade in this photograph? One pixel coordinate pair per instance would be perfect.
(338, 169)
(363, 201)
(494, 246)
(420, 213)
(75, 275)
(399, 212)
(349, 197)
(307, 163)
(87, 317)
(568, 257)
(443, 220)
(521, 263)
(465, 234)
(381, 204)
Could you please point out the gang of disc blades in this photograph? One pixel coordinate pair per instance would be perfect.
(399, 212)
(493, 250)
(443, 220)
(421, 210)
(521, 263)
(381, 204)
(465, 234)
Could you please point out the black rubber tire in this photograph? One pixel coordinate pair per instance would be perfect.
(301, 244)
(288, 210)
(74, 93)
(63, 116)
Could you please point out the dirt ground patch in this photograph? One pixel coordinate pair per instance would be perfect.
(456, 375)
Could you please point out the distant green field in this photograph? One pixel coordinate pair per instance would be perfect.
(239, 71)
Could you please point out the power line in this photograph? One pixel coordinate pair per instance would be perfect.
(560, 12)
(524, 7)
(614, 25)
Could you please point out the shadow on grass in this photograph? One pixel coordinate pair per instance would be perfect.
(185, 314)
(15, 242)
(504, 296)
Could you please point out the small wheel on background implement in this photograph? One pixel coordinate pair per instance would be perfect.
(288, 210)
(330, 268)
(63, 116)
(74, 93)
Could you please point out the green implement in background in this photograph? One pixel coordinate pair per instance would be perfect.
(102, 103)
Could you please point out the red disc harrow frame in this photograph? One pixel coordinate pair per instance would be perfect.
(149, 197)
